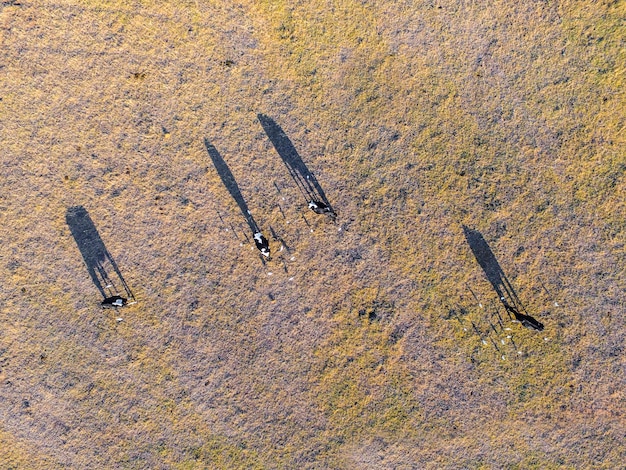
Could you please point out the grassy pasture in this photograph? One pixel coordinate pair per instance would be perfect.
(417, 118)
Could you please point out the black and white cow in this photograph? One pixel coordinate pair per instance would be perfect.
(114, 301)
(320, 208)
(262, 244)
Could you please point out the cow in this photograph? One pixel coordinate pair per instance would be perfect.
(262, 244)
(320, 208)
(114, 302)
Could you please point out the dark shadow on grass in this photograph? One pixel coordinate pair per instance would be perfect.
(304, 179)
(231, 185)
(488, 262)
(101, 266)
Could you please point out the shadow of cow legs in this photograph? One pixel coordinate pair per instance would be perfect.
(231, 184)
(301, 175)
(97, 258)
(498, 280)
(233, 188)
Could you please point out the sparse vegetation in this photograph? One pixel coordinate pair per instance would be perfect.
(416, 118)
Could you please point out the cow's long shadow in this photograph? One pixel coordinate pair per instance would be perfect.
(302, 176)
(101, 266)
(495, 275)
(231, 185)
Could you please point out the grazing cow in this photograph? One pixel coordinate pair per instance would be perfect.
(262, 244)
(320, 208)
(115, 301)
(525, 320)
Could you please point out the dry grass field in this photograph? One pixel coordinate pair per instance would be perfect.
(370, 342)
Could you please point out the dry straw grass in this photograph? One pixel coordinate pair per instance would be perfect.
(416, 117)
